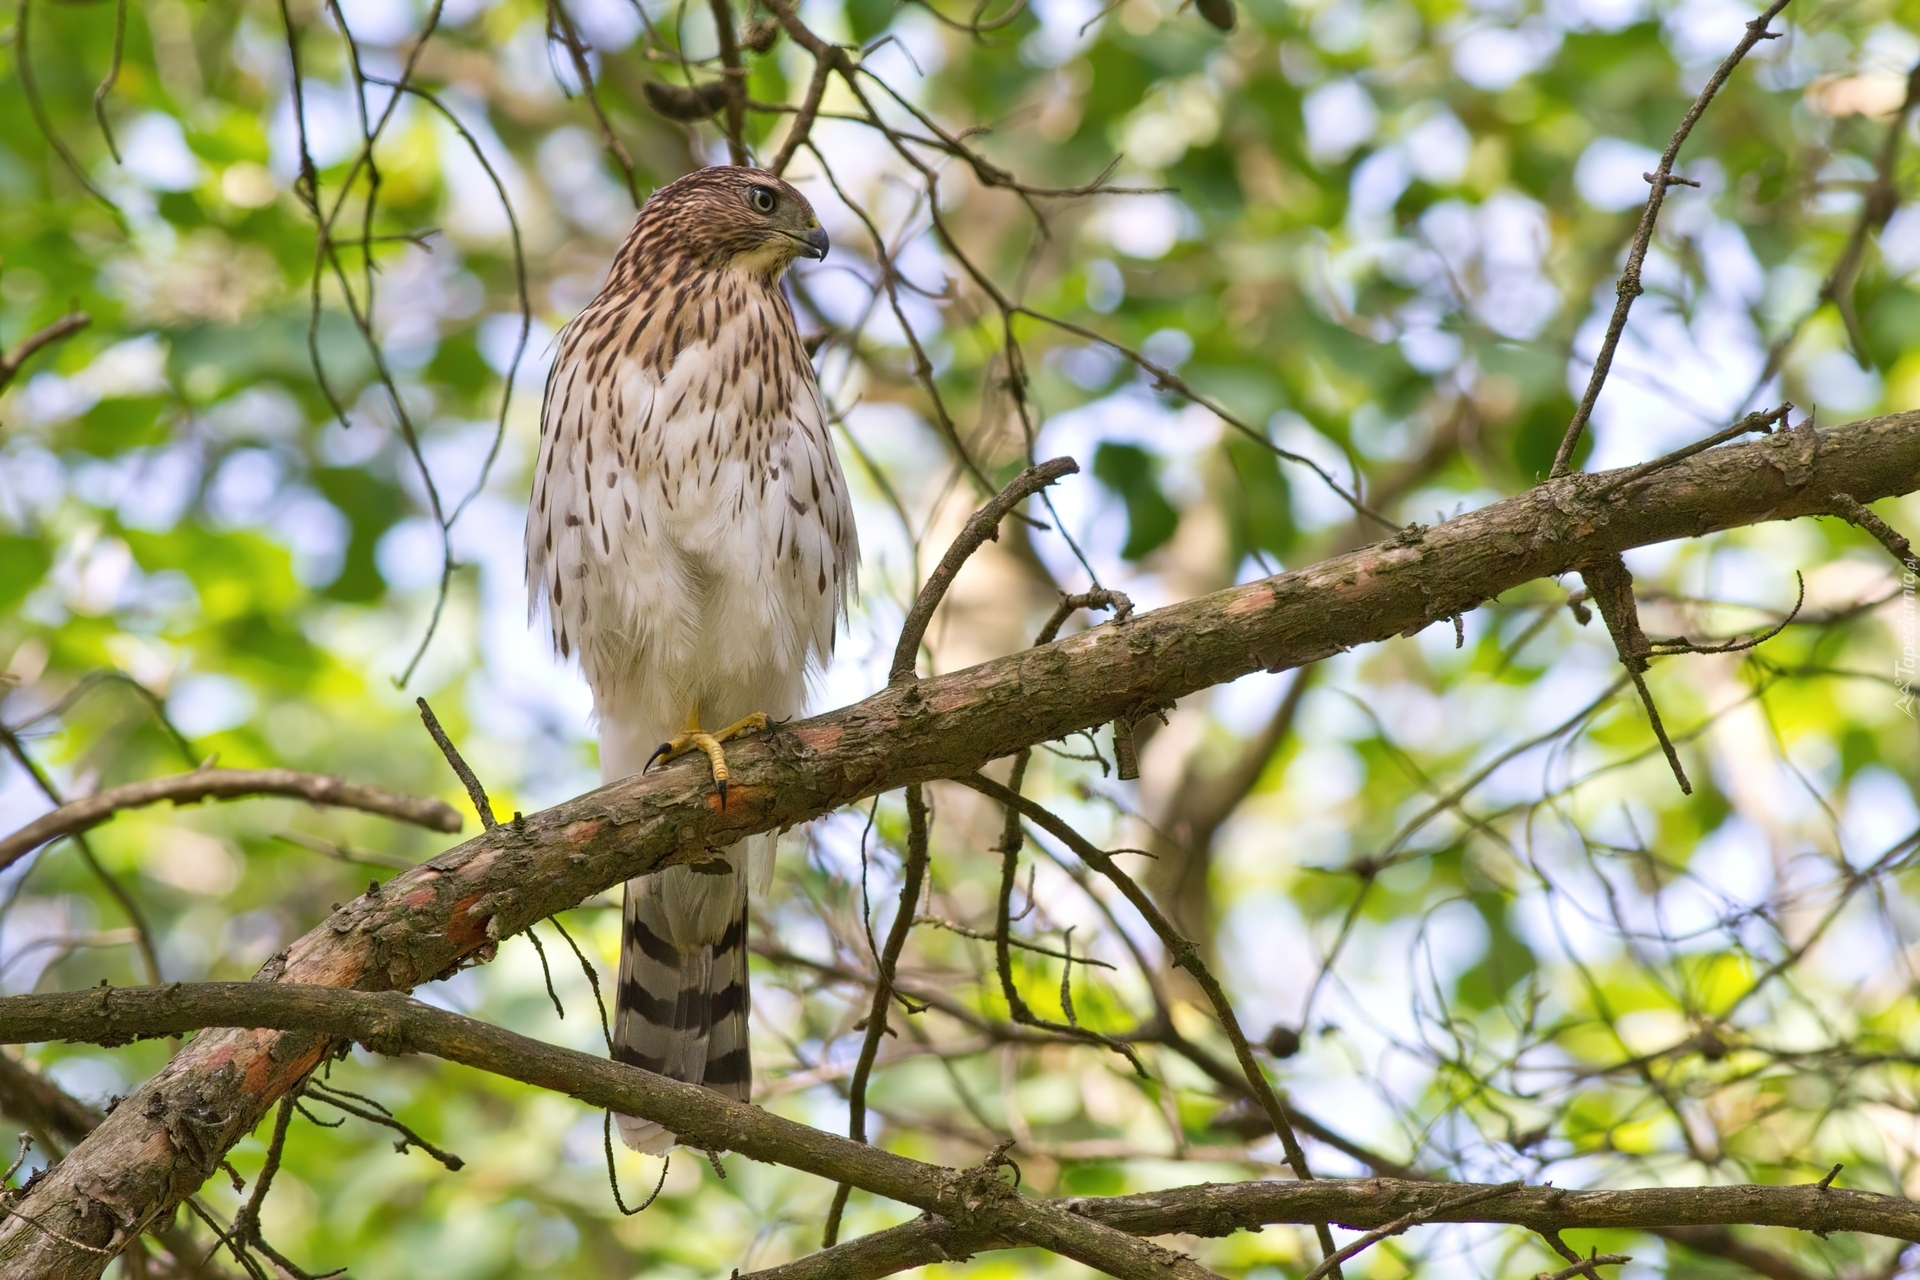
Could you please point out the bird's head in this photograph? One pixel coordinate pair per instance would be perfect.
(730, 216)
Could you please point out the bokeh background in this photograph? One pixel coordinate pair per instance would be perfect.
(1381, 234)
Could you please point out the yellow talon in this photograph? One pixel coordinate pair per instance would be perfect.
(692, 738)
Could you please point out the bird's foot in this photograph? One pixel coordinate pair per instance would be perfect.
(693, 738)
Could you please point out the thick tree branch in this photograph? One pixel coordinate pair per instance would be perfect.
(225, 784)
(390, 1023)
(1218, 1209)
(457, 905)
(976, 1208)
(54, 1117)
(58, 1120)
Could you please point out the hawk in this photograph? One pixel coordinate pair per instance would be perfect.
(691, 543)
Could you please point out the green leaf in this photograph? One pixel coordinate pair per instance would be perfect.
(1261, 504)
(372, 506)
(1508, 959)
(1537, 436)
(114, 426)
(23, 562)
(1131, 472)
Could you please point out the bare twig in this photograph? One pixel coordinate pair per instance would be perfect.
(1400, 1224)
(1182, 953)
(1875, 212)
(374, 1113)
(560, 23)
(475, 792)
(225, 784)
(593, 979)
(1610, 588)
(65, 326)
(1885, 534)
(143, 935)
(30, 86)
(1660, 179)
(800, 131)
(1756, 421)
(911, 878)
(1585, 1267)
(113, 75)
(982, 528)
(613, 1176)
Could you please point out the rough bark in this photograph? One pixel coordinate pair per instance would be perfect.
(165, 1140)
(1219, 1209)
(225, 784)
(976, 1210)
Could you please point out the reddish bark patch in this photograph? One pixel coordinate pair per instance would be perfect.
(1255, 598)
(465, 932)
(578, 833)
(267, 1078)
(825, 738)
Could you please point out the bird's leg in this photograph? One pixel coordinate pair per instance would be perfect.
(694, 738)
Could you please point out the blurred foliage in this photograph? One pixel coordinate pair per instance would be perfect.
(1382, 234)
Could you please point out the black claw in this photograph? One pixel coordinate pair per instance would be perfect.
(658, 751)
(723, 794)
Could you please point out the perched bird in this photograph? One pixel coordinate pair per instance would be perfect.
(691, 543)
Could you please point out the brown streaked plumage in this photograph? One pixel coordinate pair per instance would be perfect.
(691, 543)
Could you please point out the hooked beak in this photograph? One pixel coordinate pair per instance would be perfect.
(814, 244)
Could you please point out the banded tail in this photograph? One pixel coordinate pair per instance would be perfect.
(682, 1004)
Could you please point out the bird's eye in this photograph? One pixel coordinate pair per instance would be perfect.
(762, 199)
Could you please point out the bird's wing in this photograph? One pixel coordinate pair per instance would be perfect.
(816, 520)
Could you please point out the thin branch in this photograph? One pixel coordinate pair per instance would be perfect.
(389, 1023)
(374, 1113)
(1896, 543)
(143, 936)
(475, 792)
(912, 876)
(226, 784)
(1875, 212)
(593, 979)
(113, 75)
(1756, 421)
(1183, 954)
(1585, 1267)
(561, 23)
(1399, 1225)
(30, 86)
(1610, 589)
(1660, 179)
(65, 326)
(392, 1024)
(735, 80)
(982, 528)
(801, 130)
(613, 1175)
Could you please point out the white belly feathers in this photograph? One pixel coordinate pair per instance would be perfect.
(690, 535)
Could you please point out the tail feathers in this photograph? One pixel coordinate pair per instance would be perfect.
(680, 1013)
